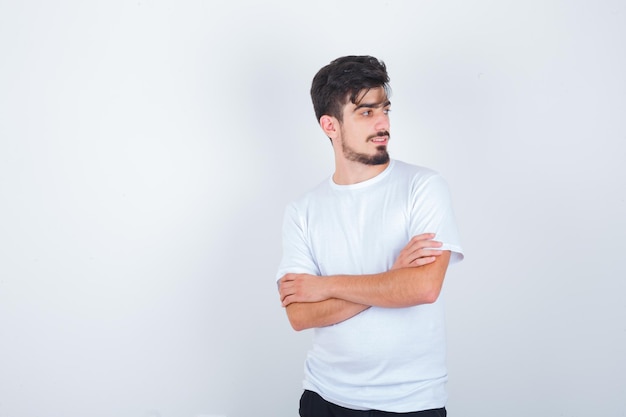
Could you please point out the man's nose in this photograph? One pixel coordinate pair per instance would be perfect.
(382, 122)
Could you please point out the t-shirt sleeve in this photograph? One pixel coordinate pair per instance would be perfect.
(297, 256)
(432, 212)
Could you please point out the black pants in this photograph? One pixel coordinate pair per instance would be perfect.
(312, 405)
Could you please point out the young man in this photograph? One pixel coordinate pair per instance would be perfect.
(364, 258)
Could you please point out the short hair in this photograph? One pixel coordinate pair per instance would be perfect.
(344, 79)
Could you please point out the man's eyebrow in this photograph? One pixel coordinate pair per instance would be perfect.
(373, 105)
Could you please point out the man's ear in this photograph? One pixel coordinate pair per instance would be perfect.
(330, 126)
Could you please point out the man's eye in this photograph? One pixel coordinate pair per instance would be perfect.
(386, 111)
(366, 113)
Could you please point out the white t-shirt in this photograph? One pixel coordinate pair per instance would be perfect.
(390, 359)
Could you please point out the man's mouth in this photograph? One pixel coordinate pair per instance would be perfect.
(380, 138)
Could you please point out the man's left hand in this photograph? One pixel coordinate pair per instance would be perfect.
(302, 288)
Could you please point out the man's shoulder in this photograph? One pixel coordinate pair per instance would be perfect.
(317, 192)
(411, 171)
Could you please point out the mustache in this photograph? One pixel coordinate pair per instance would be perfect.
(381, 133)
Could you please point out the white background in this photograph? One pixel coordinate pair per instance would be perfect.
(148, 148)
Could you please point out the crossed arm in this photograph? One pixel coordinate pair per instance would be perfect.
(415, 278)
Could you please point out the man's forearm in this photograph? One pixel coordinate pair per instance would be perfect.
(401, 287)
(322, 313)
(396, 288)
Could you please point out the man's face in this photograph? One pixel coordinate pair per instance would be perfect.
(365, 128)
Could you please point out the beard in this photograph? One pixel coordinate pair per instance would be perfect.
(379, 158)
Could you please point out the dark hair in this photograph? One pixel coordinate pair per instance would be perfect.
(343, 79)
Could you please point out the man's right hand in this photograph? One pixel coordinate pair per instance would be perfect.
(421, 250)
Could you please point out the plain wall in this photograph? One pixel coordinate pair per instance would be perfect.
(148, 149)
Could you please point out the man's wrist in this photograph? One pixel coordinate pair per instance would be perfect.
(336, 287)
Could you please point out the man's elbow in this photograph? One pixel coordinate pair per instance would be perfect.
(433, 282)
(431, 294)
(298, 321)
(297, 325)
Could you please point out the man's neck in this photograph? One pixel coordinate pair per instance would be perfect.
(350, 172)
